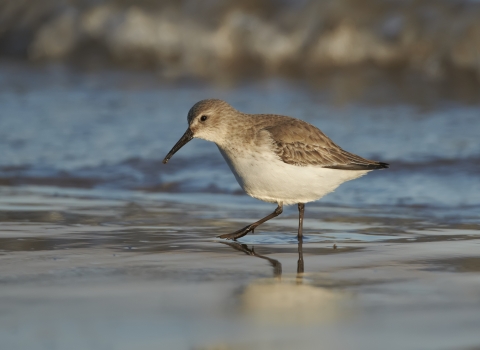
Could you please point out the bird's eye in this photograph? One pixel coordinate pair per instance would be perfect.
(203, 118)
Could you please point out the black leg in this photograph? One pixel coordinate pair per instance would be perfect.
(301, 210)
(242, 232)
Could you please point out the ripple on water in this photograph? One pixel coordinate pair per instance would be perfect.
(334, 237)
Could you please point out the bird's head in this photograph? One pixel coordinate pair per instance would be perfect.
(208, 120)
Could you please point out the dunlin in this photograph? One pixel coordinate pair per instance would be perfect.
(274, 158)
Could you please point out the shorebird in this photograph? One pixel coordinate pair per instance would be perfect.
(276, 159)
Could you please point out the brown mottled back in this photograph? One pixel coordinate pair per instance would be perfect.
(299, 143)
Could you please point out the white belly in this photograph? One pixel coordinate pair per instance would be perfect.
(267, 178)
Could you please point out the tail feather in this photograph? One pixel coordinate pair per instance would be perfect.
(382, 165)
(353, 166)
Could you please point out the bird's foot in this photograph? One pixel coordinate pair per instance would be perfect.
(237, 234)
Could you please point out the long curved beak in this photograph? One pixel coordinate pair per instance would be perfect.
(182, 142)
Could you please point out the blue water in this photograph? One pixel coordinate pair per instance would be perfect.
(111, 129)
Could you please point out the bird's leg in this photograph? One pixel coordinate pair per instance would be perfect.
(301, 211)
(242, 232)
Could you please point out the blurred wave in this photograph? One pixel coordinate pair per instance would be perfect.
(216, 38)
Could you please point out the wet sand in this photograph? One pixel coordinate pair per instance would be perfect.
(120, 270)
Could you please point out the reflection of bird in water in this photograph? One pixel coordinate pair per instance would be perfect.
(277, 266)
(274, 158)
(287, 300)
(300, 263)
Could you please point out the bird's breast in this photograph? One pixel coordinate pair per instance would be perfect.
(264, 176)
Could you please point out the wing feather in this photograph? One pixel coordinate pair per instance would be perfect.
(299, 143)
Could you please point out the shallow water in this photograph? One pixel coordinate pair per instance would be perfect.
(103, 247)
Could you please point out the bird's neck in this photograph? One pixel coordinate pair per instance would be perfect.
(236, 131)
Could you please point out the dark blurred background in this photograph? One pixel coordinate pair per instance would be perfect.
(437, 39)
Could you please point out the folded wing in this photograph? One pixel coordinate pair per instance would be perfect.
(299, 143)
